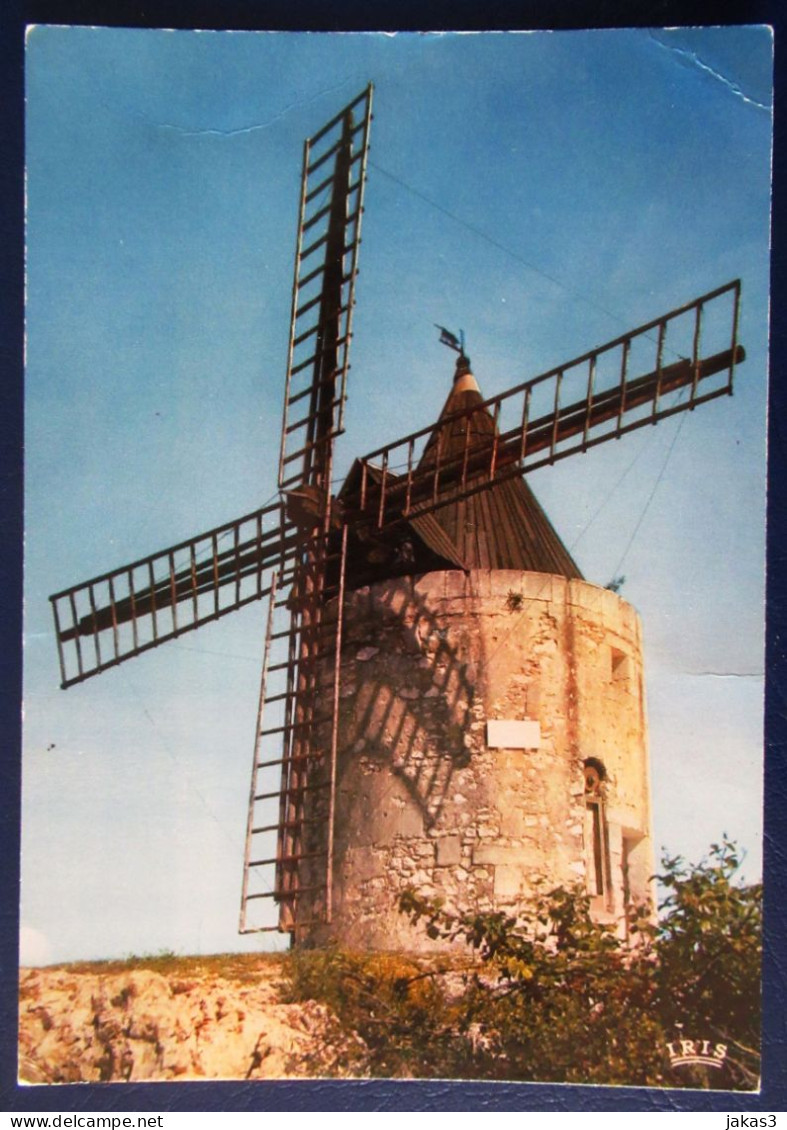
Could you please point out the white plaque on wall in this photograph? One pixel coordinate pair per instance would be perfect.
(510, 733)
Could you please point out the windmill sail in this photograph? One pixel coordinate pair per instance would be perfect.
(323, 291)
(297, 741)
(627, 383)
(119, 614)
(294, 762)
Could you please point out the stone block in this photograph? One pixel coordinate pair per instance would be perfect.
(480, 582)
(449, 851)
(532, 698)
(379, 820)
(611, 606)
(615, 838)
(583, 595)
(454, 583)
(512, 822)
(497, 854)
(508, 881)
(361, 867)
(407, 821)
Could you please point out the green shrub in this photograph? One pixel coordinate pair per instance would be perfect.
(397, 1005)
(554, 996)
(566, 999)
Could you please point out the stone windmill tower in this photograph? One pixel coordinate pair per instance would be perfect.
(445, 702)
(492, 717)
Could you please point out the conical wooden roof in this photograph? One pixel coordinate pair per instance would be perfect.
(499, 527)
(504, 526)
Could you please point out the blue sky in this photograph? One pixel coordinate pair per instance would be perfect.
(542, 191)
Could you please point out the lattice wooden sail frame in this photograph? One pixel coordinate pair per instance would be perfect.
(127, 611)
(295, 756)
(323, 298)
(673, 375)
(333, 179)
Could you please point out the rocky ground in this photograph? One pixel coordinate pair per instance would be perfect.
(222, 1017)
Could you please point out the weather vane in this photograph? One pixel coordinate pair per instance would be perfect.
(451, 340)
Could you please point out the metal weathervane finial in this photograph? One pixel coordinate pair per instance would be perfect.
(458, 345)
(451, 340)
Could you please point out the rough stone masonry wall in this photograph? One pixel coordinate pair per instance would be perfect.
(423, 801)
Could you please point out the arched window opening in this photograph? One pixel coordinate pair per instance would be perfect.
(599, 875)
(595, 775)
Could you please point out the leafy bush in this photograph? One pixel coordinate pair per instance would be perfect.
(395, 1004)
(561, 997)
(570, 1000)
(556, 996)
(709, 947)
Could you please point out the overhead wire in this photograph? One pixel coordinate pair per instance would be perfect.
(491, 241)
(483, 235)
(651, 496)
(581, 295)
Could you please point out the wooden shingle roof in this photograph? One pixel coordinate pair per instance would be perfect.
(504, 526)
(500, 527)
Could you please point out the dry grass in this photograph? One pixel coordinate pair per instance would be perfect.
(238, 967)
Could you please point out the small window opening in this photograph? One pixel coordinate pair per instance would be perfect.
(599, 877)
(620, 668)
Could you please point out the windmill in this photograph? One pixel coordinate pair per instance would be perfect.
(307, 551)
